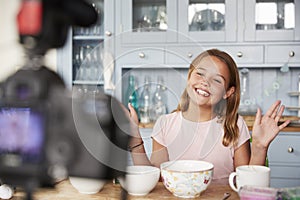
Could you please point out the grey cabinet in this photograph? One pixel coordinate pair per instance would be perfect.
(81, 60)
(272, 20)
(207, 21)
(284, 160)
(142, 21)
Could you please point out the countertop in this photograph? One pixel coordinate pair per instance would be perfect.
(249, 119)
(64, 190)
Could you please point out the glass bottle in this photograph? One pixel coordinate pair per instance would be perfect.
(131, 95)
(159, 100)
(247, 104)
(145, 104)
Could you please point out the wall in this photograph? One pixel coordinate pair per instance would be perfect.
(11, 52)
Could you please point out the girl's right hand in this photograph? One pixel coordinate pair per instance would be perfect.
(134, 121)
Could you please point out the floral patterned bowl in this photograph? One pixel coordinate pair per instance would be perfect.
(186, 178)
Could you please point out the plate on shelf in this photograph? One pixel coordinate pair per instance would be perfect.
(294, 93)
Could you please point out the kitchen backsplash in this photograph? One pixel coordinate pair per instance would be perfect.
(265, 85)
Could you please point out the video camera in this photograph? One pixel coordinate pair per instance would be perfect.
(48, 133)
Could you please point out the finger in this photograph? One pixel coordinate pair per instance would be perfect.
(273, 109)
(279, 114)
(274, 114)
(132, 110)
(283, 125)
(257, 117)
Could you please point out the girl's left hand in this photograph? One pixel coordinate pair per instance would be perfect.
(266, 127)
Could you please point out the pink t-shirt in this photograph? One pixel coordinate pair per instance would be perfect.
(187, 140)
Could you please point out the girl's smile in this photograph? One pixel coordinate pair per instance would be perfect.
(208, 81)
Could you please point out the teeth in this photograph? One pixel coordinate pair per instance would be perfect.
(201, 92)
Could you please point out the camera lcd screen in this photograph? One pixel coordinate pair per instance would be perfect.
(21, 135)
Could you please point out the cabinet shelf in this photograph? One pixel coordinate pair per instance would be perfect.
(83, 82)
(88, 37)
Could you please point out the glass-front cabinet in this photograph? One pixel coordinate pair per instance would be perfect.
(81, 60)
(207, 20)
(144, 21)
(269, 20)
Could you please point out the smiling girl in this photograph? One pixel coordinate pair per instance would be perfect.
(206, 124)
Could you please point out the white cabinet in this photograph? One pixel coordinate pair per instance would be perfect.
(80, 61)
(284, 160)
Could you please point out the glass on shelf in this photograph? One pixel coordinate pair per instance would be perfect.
(206, 15)
(145, 102)
(270, 15)
(87, 62)
(149, 16)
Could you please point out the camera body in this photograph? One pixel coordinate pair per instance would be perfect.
(48, 133)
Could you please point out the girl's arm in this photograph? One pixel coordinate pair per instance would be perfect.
(265, 129)
(136, 144)
(159, 152)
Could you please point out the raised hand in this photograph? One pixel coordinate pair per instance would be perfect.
(134, 121)
(266, 127)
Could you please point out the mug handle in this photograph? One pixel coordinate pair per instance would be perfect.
(231, 183)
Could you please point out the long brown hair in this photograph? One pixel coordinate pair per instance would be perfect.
(227, 109)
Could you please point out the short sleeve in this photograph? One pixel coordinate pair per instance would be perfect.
(159, 130)
(244, 132)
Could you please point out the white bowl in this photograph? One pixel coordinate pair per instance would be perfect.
(87, 185)
(139, 179)
(186, 178)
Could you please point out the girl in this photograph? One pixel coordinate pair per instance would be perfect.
(206, 125)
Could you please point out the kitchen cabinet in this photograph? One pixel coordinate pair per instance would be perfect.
(81, 60)
(143, 21)
(284, 160)
(207, 21)
(243, 55)
(272, 20)
(280, 54)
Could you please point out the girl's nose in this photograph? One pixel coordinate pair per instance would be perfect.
(205, 82)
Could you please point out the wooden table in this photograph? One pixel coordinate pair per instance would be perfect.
(64, 190)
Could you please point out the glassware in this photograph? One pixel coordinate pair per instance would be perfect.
(159, 100)
(248, 105)
(149, 16)
(271, 15)
(145, 103)
(206, 16)
(131, 95)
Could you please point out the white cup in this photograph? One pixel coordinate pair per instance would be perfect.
(254, 175)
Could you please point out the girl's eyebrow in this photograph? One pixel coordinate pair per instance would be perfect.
(220, 75)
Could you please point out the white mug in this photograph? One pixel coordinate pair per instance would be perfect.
(254, 175)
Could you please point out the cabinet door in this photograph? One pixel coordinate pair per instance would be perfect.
(80, 61)
(272, 20)
(144, 21)
(207, 21)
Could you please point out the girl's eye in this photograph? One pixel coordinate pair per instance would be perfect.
(200, 74)
(217, 80)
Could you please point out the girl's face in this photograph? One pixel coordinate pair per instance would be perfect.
(208, 82)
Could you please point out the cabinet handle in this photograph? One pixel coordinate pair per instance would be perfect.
(290, 149)
(239, 54)
(108, 33)
(292, 54)
(190, 55)
(141, 55)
